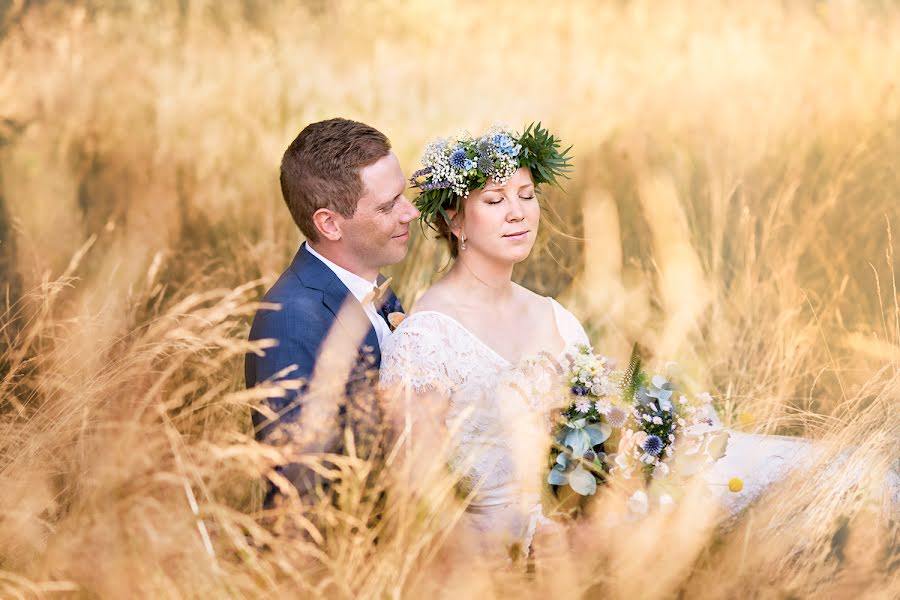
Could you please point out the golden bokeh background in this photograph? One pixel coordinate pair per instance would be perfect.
(736, 184)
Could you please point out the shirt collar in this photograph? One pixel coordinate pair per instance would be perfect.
(357, 285)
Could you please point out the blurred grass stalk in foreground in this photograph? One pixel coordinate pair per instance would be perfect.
(731, 208)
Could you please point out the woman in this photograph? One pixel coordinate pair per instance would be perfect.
(471, 343)
(473, 355)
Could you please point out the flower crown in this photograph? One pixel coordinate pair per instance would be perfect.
(451, 168)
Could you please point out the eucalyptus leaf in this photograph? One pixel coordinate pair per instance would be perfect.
(557, 477)
(561, 435)
(579, 441)
(641, 395)
(598, 432)
(582, 482)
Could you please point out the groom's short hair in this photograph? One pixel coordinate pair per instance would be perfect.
(321, 169)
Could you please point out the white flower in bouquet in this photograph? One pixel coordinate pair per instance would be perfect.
(661, 470)
(583, 405)
(603, 407)
(639, 502)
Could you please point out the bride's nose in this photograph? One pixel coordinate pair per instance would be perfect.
(515, 213)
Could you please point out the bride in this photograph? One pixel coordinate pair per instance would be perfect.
(473, 332)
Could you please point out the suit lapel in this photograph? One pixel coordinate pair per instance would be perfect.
(314, 274)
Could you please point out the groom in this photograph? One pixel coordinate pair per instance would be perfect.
(344, 188)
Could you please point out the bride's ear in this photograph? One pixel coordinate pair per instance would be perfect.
(456, 221)
(327, 224)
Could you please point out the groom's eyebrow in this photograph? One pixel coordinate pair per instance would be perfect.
(389, 203)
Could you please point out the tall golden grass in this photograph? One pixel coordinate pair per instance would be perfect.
(736, 183)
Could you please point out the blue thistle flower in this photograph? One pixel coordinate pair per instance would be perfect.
(484, 148)
(485, 165)
(653, 445)
(458, 158)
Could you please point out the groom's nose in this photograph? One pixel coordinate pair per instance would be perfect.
(411, 213)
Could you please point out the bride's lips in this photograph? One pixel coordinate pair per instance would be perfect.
(402, 237)
(518, 235)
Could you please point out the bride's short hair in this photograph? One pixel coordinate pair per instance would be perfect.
(321, 169)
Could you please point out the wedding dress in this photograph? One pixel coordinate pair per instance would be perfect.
(499, 417)
(760, 461)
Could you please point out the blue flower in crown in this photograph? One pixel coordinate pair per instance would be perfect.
(453, 167)
(502, 141)
(458, 158)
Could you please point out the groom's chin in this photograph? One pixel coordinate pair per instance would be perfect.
(399, 248)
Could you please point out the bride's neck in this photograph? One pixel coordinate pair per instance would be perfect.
(482, 280)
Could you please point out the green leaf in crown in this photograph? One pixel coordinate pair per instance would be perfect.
(452, 167)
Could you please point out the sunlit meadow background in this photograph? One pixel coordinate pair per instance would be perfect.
(737, 180)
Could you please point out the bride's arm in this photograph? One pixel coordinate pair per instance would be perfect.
(416, 386)
(419, 451)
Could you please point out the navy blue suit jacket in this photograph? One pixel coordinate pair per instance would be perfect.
(311, 296)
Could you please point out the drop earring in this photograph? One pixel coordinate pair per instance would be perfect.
(462, 243)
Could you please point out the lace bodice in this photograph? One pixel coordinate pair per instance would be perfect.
(498, 412)
(433, 351)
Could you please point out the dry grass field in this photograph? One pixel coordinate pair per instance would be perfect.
(732, 207)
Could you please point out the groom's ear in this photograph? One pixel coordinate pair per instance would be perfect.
(327, 224)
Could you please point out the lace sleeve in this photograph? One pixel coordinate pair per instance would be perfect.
(414, 355)
(570, 327)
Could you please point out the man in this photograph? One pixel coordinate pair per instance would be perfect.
(344, 188)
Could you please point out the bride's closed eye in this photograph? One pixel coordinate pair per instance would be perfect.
(498, 201)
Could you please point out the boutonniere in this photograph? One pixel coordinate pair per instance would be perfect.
(395, 318)
(388, 304)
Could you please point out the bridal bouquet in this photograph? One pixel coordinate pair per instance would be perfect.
(660, 431)
(587, 423)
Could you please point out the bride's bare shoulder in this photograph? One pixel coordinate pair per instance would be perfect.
(437, 298)
(531, 299)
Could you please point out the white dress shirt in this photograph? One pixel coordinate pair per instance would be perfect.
(360, 288)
